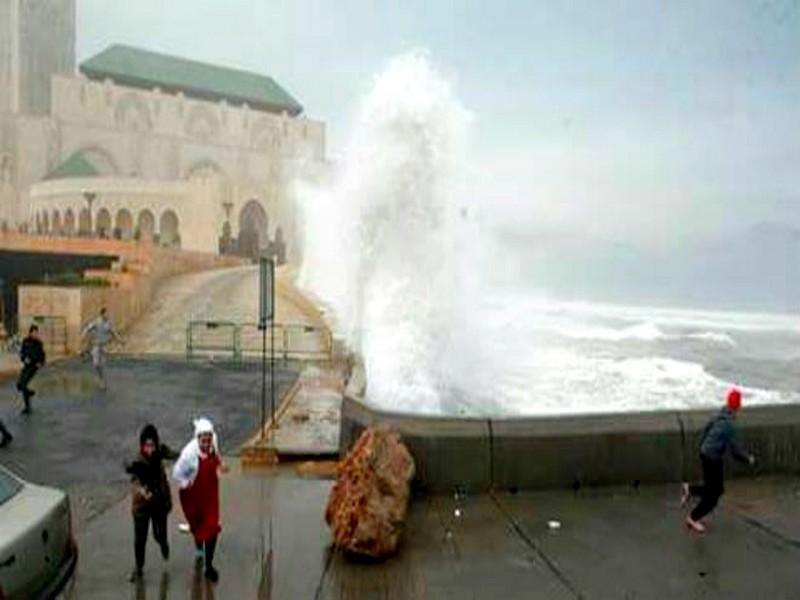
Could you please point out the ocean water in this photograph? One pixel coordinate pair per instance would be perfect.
(406, 276)
(549, 357)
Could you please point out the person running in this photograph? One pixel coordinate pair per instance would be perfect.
(33, 358)
(151, 500)
(718, 438)
(5, 435)
(102, 332)
(197, 473)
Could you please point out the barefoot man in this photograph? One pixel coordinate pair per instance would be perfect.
(719, 437)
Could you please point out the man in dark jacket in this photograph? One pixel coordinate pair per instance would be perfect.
(151, 499)
(719, 437)
(32, 356)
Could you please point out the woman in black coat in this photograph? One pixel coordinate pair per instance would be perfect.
(151, 499)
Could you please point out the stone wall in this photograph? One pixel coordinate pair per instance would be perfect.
(96, 106)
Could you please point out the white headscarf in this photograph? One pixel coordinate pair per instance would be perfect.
(187, 465)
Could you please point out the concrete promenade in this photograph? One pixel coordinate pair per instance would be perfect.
(612, 543)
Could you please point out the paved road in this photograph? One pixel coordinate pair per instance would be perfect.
(223, 294)
(612, 544)
(79, 435)
(220, 294)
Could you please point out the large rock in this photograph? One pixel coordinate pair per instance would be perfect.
(368, 502)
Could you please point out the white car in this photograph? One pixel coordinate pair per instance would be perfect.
(38, 553)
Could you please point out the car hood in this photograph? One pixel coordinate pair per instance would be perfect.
(32, 504)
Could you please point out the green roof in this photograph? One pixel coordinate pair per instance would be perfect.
(139, 68)
(77, 165)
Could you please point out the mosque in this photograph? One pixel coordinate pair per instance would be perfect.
(135, 144)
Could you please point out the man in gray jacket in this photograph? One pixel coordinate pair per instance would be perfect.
(719, 437)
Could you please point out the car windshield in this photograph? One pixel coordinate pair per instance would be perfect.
(9, 486)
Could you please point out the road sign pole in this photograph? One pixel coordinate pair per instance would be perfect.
(266, 317)
(263, 380)
(272, 376)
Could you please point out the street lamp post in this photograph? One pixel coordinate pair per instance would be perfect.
(89, 197)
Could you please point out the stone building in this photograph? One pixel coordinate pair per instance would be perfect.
(138, 144)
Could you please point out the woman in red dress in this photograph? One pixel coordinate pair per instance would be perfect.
(197, 473)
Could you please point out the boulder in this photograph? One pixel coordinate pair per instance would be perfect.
(368, 502)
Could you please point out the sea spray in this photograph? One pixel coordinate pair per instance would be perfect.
(407, 272)
(379, 244)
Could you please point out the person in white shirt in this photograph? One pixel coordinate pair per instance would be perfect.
(101, 332)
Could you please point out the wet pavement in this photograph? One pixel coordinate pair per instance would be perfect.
(79, 435)
(255, 506)
(611, 543)
(310, 423)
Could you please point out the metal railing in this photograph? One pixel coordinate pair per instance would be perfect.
(296, 341)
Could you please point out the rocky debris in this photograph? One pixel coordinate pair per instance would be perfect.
(368, 502)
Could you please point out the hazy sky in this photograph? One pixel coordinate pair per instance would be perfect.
(630, 119)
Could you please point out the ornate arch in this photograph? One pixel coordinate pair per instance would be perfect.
(123, 224)
(145, 225)
(103, 223)
(253, 230)
(169, 232)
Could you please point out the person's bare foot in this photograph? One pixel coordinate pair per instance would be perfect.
(685, 494)
(695, 526)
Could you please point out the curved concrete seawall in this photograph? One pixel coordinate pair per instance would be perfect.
(553, 452)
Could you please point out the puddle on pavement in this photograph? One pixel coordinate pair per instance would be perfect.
(81, 384)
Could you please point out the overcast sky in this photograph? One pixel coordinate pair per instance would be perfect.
(679, 115)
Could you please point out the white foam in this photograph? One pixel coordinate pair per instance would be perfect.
(378, 244)
(643, 331)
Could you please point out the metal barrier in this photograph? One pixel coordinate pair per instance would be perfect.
(212, 337)
(52, 331)
(239, 340)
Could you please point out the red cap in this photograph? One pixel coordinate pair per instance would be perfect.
(734, 399)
